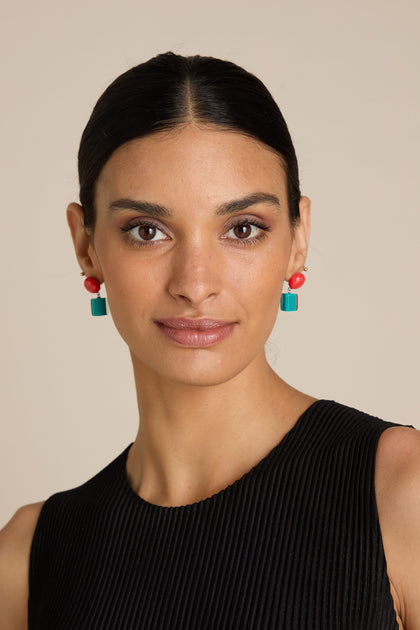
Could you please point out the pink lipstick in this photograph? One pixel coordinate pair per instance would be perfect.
(196, 333)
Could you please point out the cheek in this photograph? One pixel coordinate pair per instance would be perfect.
(262, 277)
(259, 292)
(268, 301)
(130, 293)
(128, 288)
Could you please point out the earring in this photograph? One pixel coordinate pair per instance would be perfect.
(98, 304)
(289, 301)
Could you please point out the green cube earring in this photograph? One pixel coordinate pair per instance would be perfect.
(289, 301)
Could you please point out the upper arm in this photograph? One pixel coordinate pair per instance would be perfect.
(15, 546)
(398, 500)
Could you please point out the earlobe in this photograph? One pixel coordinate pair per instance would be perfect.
(82, 240)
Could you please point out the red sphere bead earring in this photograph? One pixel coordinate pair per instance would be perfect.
(297, 280)
(98, 304)
(92, 285)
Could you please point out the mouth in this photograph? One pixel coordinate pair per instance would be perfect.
(197, 333)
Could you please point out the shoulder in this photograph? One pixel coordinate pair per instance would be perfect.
(15, 546)
(345, 427)
(397, 484)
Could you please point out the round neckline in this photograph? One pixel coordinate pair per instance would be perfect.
(248, 474)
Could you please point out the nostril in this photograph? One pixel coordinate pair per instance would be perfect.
(195, 299)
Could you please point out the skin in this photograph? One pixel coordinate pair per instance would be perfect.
(191, 400)
(209, 414)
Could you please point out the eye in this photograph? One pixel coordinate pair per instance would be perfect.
(244, 230)
(247, 231)
(145, 232)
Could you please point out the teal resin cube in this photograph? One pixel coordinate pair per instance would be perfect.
(98, 306)
(289, 302)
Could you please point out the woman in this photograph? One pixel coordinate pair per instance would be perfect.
(242, 503)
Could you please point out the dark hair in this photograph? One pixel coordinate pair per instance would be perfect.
(169, 90)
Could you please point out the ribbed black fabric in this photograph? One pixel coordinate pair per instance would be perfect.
(293, 544)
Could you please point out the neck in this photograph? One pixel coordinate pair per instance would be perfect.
(193, 440)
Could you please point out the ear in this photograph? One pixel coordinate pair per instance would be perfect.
(300, 238)
(83, 242)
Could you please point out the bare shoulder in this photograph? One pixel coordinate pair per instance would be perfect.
(15, 546)
(397, 484)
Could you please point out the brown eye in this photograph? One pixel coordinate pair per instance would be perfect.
(146, 232)
(243, 230)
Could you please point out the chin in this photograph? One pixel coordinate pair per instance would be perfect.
(202, 370)
(209, 378)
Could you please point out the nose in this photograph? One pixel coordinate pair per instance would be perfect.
(194, 276)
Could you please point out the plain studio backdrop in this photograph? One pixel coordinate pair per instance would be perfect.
(346, 77)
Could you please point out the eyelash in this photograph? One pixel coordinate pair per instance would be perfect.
(242, 242)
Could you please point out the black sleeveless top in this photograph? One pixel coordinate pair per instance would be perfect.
(294, 544)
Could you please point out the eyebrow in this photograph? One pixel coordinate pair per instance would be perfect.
(156, 210)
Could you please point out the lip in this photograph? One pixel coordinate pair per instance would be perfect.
(197, 333)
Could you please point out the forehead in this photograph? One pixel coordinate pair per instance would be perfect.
(189, 162)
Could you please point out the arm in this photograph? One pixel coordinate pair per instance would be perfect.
(398, 500)
(15, 545)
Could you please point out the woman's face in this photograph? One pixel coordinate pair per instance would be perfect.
(193, 224)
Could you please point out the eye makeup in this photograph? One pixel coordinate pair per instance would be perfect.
(142, 231)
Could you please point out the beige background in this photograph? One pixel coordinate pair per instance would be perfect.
(346, 76)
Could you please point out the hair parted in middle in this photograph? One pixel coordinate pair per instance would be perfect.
(170, 90)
